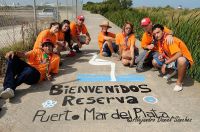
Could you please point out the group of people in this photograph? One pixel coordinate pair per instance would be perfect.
(43, 60)
(161, 49)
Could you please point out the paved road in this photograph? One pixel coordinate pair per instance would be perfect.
(74, 102)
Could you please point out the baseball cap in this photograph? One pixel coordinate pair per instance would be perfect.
(145, 21)
(47, 41)
(80, 17)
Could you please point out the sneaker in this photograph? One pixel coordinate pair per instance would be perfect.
(114, 55)
(7, 93)
(139, 69)
(178, 88)
(104, 54)
(71, 54)
(77, 49)
(168, 76)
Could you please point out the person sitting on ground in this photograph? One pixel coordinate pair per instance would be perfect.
(47, 33)
(149, 45)
(61, 35)
(41, 64)
(176, 52)
(106, 41)
(79, 33)
(126, 41)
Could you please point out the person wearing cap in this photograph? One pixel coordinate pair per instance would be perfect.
(106, 41)
(79, 33)
(41, 64)
(149, 45)
(47, 33)
(126, 41)
(176, 52)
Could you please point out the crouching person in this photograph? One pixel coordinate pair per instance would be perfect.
(41, 64)
(126, 41)
(106, 41)
(176, 52)
(79, 33)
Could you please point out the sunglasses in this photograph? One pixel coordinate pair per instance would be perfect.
(81, 20)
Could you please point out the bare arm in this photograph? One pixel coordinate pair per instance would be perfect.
(11, 54)
(88, 39)
(175, 57)
(107, 38)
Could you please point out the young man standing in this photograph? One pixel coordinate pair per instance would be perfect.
(176, 52)
(79, 33)
(41, 64)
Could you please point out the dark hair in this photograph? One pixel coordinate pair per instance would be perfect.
(67, 33)
(128, 23)
(54, 23)
(45, 44)
(64, 22)
(157, 26)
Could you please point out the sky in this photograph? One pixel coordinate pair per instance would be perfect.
(136, 3)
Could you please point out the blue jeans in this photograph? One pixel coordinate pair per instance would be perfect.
(146, 59)
(19, 72)
(107, 50)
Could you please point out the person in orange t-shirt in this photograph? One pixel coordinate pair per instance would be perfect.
(176, 53)
(47, 33)
(41, 64)
(63, 37)
(126, 41)
(106, 41)
(149, 44)
(79, 33)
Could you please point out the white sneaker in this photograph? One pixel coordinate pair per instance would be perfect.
(104, 54)
(178, 88)
(7, 93)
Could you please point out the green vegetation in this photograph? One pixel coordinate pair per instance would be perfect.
(184, 23)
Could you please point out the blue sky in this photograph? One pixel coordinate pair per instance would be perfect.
(136, 3)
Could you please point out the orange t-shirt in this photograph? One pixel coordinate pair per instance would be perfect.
(77, 30)
(177, 46)
(120, 40)
(101, 39)
(42, 35)
(60, 36)
(147, 39)
(37, 60)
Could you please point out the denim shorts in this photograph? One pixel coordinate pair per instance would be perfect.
(107, 50)
(172, 65)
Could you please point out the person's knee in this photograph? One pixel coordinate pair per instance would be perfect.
(126, 55)
(13, 60)
(181, 61)
(125, 62)
(154, 63)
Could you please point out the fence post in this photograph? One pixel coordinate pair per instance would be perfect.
(76, 9)
(35, 17)
(57, 11)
